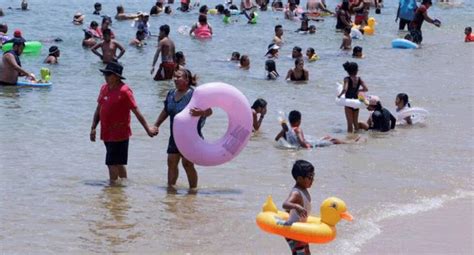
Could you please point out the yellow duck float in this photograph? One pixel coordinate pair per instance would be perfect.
(370, 28)
(314, 230)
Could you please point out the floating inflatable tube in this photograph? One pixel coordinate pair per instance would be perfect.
(342, 101)
(314, 230)
(30, 47)
(403, 44)
(416, 114)
(239, 129)
(234, 12)
(33, 84)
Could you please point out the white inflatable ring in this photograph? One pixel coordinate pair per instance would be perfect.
(342, 101)
(416, 114)
(198, 150)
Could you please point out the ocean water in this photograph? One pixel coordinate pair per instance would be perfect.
(53, 185)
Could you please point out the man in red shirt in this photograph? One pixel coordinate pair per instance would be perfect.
(113, 111)
(421, 14)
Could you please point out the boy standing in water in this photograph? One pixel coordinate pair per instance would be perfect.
(109, 48)
(298, 203)
(167, 50)
(113, 111)
(421, 14)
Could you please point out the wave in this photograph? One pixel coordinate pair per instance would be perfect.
(369, 228)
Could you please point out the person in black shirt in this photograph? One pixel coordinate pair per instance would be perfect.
(381, 119)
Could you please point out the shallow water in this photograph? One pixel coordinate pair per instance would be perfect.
(55, 198)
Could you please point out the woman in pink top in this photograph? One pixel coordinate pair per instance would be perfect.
(201, 29)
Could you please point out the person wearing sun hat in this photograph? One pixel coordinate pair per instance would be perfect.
(381, 119)
(272, 51)
(53, 55)
(114, 104)
(78, 18)
(10, 66)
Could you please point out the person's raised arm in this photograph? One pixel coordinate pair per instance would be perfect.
(429, 19)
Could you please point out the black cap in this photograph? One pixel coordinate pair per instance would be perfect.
(113, 68)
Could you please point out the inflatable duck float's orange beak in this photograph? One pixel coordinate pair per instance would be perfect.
(347, 216)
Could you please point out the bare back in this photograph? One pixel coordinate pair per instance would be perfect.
(8, 72)
(167, 48)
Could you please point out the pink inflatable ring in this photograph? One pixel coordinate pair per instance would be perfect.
(235, 104)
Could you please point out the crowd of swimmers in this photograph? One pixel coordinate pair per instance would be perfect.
(116, 101)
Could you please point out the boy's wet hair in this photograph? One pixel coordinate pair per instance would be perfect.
(220, 8)
(107, 32)
(294, 116)
(178, 56)
(404, 98)
(97, 5)
(356, 50)
(298, 60)
(469, 29)
(203, 9)
(236, 54)
(260, 102)
(310, 49)
(242, 58)
(278, 27)
(302, 168)
(165, 29)
(270, 65)
(298, 49)
(347, 30)
(120, 9)
(94, 24)
(351, 68)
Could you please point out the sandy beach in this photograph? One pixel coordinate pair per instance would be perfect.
(421, 233)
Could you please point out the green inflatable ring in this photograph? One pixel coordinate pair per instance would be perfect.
(31, 47)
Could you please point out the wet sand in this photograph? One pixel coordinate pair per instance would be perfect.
(421, 233)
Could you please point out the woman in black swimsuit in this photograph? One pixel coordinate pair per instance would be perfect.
(352, 87)
(298, 73)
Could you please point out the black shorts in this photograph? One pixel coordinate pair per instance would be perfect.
(403, 23)
(117, 153)
(416, 36)
(4, 83)
(172, 148)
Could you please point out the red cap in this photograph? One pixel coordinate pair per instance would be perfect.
(17, 33)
